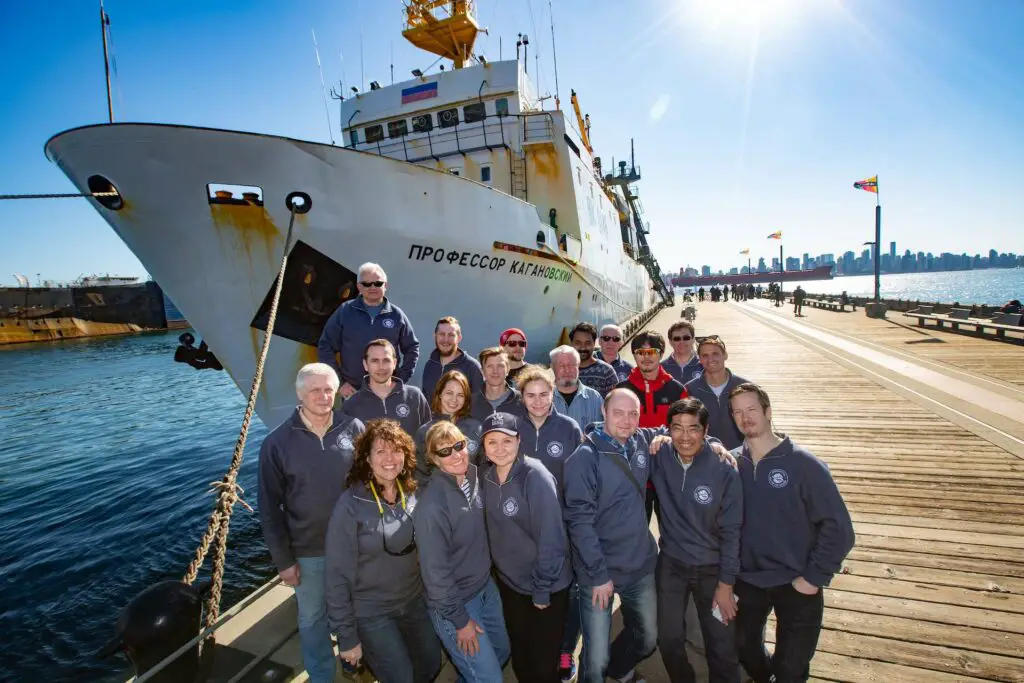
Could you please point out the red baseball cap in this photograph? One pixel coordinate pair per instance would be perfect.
(508, 333)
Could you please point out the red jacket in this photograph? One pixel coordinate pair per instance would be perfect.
(655, 395)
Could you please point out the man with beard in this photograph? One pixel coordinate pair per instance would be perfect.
(513, 342)
(572, 397)
(383, 395)
(596, 374)
(611, 342)
(713, 387)
(796, 534)
(448, 356)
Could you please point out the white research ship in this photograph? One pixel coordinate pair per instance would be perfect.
(476, 201)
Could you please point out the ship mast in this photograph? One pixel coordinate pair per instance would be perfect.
(104, 23)
(446, 28)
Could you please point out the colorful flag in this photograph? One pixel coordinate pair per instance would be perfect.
(777, 235)
(419, 92)
(868, 184)
(746, 252)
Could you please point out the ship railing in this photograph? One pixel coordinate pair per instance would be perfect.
(538, 127)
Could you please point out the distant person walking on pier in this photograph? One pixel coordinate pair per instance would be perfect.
(796, 534)
(699, 518)
(513, 341)
(497, 394)
(683, 363)
(798, 301)
(375, 600)
(303, 466)
(611, 342)
(700, 294)
(384, 395)
(359, 321)
(725, 292)
(778, 294)
(448, 356)
(573, 398)
(712, 389)
(595, 373)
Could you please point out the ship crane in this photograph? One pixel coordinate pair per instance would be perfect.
(446, 28)
(583, 124)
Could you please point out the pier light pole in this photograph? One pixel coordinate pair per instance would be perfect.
(876, 309)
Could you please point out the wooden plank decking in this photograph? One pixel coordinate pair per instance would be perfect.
(934, 590)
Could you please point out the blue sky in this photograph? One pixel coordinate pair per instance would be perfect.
(746, 121)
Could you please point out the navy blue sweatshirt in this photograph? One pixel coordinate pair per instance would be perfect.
(720, 422)
(464, 363)
(605, 513)
(683, 373)
(455, 562)
(405, 404)
(795, 521)
(552, 444)
(469, 426)
(300, 479)
(350, 328)
(361, 579)
(525, 530)
(700, 511)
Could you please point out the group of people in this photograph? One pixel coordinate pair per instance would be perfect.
(497, 510)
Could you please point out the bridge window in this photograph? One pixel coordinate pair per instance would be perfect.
(398, 129)
(422, 123)
(474, 112)
(374, 133)
(485, 174)
(446, 118)
(501, 106)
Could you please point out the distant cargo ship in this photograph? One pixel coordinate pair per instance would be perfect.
(819, 273)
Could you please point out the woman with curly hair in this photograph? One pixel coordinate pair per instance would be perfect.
(450, 402)
(374, 593)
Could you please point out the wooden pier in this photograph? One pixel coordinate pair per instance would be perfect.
(924, 433)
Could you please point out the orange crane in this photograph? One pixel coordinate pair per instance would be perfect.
(446, 28)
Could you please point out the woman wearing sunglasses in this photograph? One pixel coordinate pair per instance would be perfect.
(529, 548)
(375, 601)
(450, 402)
(455, 562)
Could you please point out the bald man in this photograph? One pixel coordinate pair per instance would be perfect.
(612, 553)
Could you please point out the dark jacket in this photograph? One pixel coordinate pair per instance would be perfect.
(605, 513)
(683, 373)
(655, 396)
(405, 404)
(481, 407)
(300, 479)
(362, 579)
(795, 521)
(720, 422)
(350, 329)
(552, 444)
(455, 562)
(463, 362)
(700, 510)
(621, 366)
(525, 530)
(469, 426)
(599, 376)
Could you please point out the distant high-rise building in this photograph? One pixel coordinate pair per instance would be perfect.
(735, 271)
(892, 251)
(775, 263)
(761, 267)
(792, 263)
(705, 270)
(806, 262)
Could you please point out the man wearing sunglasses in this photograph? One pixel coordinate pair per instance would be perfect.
(513, 341)
(683, 364)
(359, 321)
(611, 341)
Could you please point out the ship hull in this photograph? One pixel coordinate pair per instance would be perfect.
(450, 246)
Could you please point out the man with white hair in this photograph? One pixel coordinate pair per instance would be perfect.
(359, 321)
(611, 341)
(573, 398)
(302, 471)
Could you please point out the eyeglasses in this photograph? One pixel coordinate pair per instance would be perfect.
(375, 283)
(608, 338)
(515, 342)
(646, 352)
(448, 450)
(401, 520)
(683, 338)
(710, 337)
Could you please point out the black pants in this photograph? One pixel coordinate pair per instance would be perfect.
(651, 504)
(535, 634)
(798, 307)
(676, 582)
(798, 624)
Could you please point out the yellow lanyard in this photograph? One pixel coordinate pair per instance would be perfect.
(380, 508)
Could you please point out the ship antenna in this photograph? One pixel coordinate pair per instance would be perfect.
(104, 23)
(323, 88)
(392, 62)
(554, 55)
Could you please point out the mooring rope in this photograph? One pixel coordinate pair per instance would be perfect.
(60, 195)
(228, 490)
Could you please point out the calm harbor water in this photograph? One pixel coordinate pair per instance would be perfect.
(106, 450)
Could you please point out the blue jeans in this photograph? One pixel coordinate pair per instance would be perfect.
(636, 641)
(485, 609)
(314, 632)
(401, 646)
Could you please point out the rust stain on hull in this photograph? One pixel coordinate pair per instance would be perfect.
(545, 163)
(250, 224)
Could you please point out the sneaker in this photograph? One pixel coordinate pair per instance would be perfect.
(637, 677)
(566, 668)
